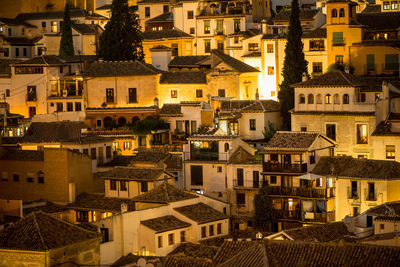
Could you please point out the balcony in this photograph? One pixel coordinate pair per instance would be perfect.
(219, 32)
(31, 97)
(300, 192)
(322, 217)
(247, 184)
(369, 69)
(273, 166)
(390, 68)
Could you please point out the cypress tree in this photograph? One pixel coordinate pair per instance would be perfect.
(265, 214)
(66, 43)
(121, 39)
(294, 64)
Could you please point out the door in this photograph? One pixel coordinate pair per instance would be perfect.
(256, 179)
(100, 158)
(240, 181)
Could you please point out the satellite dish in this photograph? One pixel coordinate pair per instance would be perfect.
(141, 262)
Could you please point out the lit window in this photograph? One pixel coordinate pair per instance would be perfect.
(302, 99)
(390, 152)
(253, 46)
(206, 26)
(271, 70)
(174, 93)
(270, 48)
(386, 5)
(199, 93)
(328, 99)
(54, 26)
(362, 134)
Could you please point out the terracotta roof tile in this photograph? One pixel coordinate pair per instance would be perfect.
(231, 248)
(52, 132)
(186, 61)
(165, 223)
(40, 232)
(120, 68)
(74, 13)
(380, 20)
(333, 78)
(187, 261)
(291, 140)
(150, 156)
(254, 257)
(319, 233)
(194, 251)
(132, 174)
(47, 207)
(386, 209)
(241, 156)
(96, 201)
(164, 193)
(201, 213)
(250, 106)
(165, 17)
(164, 34)
(171, 110)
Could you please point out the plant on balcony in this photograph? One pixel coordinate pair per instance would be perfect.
(269, 131)
(265, 214)
(121, 39)
(294, 64)
(66, 43)
(149, 124)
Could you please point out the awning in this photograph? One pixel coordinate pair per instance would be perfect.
(310, 176)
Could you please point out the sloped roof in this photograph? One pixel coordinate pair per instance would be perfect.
(40, 232)
(186, 61)
(104, 7)
(231, 248)
(183, 77)
(187, 261)
(47, 207)
(305, 14)
(201, 213)
(22, 40)
(119, 160)
(5, 66)
(386, 209)
(165, 34)
(97, 201)
(317, 33)
(233, 62)
(333, 79)
(24, 155)
(380, 20)
(346, 166)
(241, 156)
(371, 8)
(164, 193)
(194, 251)
(319, 233)
(171, 110)
(52, 132)
(73, 12)
(84, 28)
(132, 174)
(165, 223)
(150, 156)
(165, 17)
(285, 140)
(120, 68)
(253, 256)
(42, 60)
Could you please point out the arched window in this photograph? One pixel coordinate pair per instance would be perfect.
(107, 122)
(334, 13)
(310, 99)
(135, 120)
(346, 99)
(336, 99)
(319, 99)
(226, 146)
(328, 99)
(341, 13)
(302, 99)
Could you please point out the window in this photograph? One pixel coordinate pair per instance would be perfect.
(356, 211)
(132, 95)
(240, 199)
(370, 62)
(252, 124)
(40, 177)
(336, 99)
(317, 45)
(220, 27)
(29, 178)
(317, 67)
(4, 176)
(274, 157)
(82, 216)
(310, 99)
(339, 60)
(147, 12)
(206, 26)
(271, 70)
(165, 8)
(104, 235)
(174, 93)
(226, 147)
(334, 13)
(203, 232)
(31, 93)
(236, 25)
(93, 153)
(331, 131)
(171, 239)
(253, 46)
(312, 157)
(390, 152)
(219, 228)
(272, 179)
(395, 5)
(7, 92)
(328, 99)
(256, 179)
(60, 107)
(183, 236)
(362, 135)
(199, 93)
(346, 99)
(190, 14)
(191, 30)
(341, 13)
(337, 38)
(221, 92)
(207, 46)
(28, 70)
(303, 129)
(236, 39)
(70, 106)
(54, 26)
(371, 191)
(211, 230)
(127, 145)
(122, 185)
(24, 52)
(160, 243)
(392, 62)
(302, 99)
(381, 226)
(144, 187)
(219, 169)
(110, 95)
(113, 185)
(44, 26)
(386, 5)
(354, 189)
(270, 48)
(239, 176)
(196, 175)
(9, 31)
(16, 177)
(6, 52)
(220, 45)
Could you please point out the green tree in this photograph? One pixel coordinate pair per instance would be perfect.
(294, 64)
(66, 43)
(269, 131)
(265, 214)
(121, 39)
(149, 124)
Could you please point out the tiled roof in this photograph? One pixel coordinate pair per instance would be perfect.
(253, 54)
(52, 132)
(43, 60)
(40, 232)
(186, 61)
(386, 209)
(132, 174)
(245, 106)
(171, 110)
(241, 156)
(183, 77)
(152, 1)
(165, 17)
(319, 233)
(194, 251)
(22, 40)
(73, 12)
(245, 34)
(174, 163)
(187, 261)
(48, 207)
(346, 166)
(231, 248)
(333, 79)
(160, 48)
(5, 66)
(150, 156)
(335, 113)
(104, 7)
(86, 28)
(305, 14)
(97, 201)
(24, 155)
(120, 68)
(164, 34)
(291, 140)
(119, 161)
(387, 218)
(377, 237)
(254, 257)
(15, 22)
(380, 20)
(129, 259)
(371, 8)
(317, 33)
(233, 62)
(201, 213)
(10, 140)
(165, 223)
(164, 193)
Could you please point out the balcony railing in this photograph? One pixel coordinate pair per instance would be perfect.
(300, 192)
(247, 184)
(369, 69)
(272, 166)
(219, 32)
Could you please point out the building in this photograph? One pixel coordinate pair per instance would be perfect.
(148, 9)
(42, 240)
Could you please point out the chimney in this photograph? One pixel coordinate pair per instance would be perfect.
(124, 207)
(304, 77)
(264, 26)
(385, 90)
(156, 102)
(257, 95)
(161, 57)
(347, 69)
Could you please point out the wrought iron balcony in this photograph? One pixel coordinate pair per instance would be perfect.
(273, 166)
